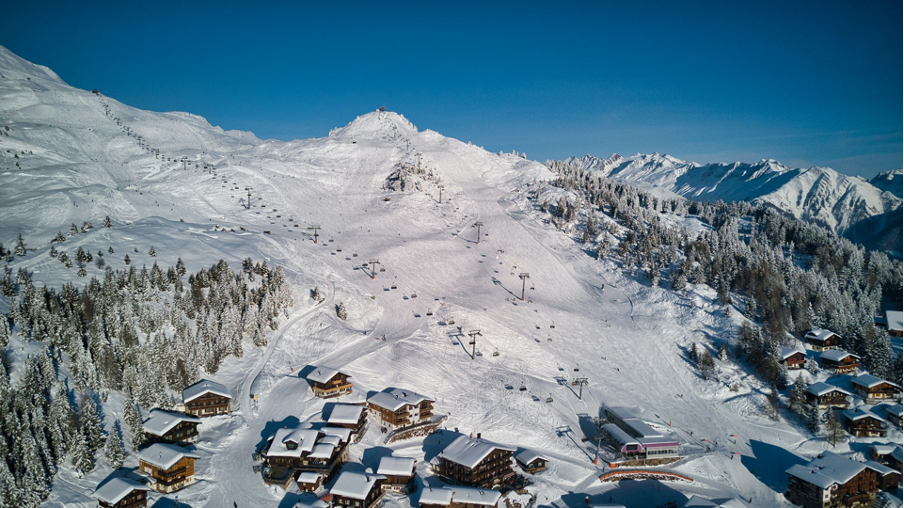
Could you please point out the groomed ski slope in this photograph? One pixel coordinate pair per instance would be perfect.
(628, 340)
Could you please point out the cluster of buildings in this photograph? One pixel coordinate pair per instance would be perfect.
(165, 462)
(830, 479)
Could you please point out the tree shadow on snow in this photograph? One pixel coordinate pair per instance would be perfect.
(291, 498)
(270, 429)
(634, 493)
(165, 502)
(438, 441)
(769, 463)
(372, 456)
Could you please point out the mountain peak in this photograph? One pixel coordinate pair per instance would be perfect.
(379, 124)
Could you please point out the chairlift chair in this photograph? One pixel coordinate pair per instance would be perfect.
(523, 388)
(496, 353)
(382, 269)
(394, 286)
(549, 399)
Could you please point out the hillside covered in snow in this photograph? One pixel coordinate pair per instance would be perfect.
(421, 240)
(865, 212)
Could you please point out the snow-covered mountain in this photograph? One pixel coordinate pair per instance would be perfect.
(822, 195)
(888, 181)
(176, 183)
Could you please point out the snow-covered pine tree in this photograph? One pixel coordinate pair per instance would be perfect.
(82, 456)
(90, 424)
(834, 430)
(132, 418)
(797, 399)
(814, 419)
(113, 452)
(20, 246)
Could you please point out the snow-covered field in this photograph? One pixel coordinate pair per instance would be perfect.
(87, 156)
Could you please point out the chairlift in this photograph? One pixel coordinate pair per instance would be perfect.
(413, 295)
(471, 342)
(552, 325)
(531, 287)
(549, 399)
(496, 353)
(523, 388)
(429, 312)
(355, 255)
(450, 322)
(382, 269)
(576, 369)
(394, 286)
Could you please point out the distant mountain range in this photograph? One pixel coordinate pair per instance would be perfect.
(866, 212)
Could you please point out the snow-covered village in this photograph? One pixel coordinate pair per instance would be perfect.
(384, 315)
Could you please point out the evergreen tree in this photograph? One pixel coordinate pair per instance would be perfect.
(108, 223)
(772, 399)
(814, 419)
(834, 430)
(82, 456)
(20, 246)
(113, 452)
(706, 364)
(132, 418)
(90, 424)
(797, 402)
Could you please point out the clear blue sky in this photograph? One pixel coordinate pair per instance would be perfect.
(807, 83)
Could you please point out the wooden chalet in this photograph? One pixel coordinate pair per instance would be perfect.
(357, 490)
(886, 454)
(171, 427)
(308, 481)
(832, 480)
(399, 473)
(822, 340)
(894, 322)
(207, 398)
(476, 462)
(304, 449)
(792, 358)
(169, 466)
(874, 389)
(396, 408)
(839, 362)
(824, 396)
(860, 422)
(893, 413)
(327, 382)
(349, 416)
(122, 493)
(530, 461)
(458, 497)
(888, 478)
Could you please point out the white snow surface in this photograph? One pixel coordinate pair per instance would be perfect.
(629, 340)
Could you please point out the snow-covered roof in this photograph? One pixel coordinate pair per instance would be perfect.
(305, 438)
(527, 456)
(819, 389)
(396, 398)
(322, 451)
(859, 414)
(323, 374)
(355, 485)
(164, 456)
(333, 441)
(895, 410)
(620, 436)
(340, 432)
(204, 386)
(836, 355)
(898, 453)
(398, 466)
(345, 414)
(882, 449)
(879, 468)
(894, 320)
(869, 381)
(696, 500)
(788, 352)
(160, 422)
(469, 452)
(312, 503)
(440, 496)
(471, 495)
(827, 469)
(116, 489)
(819, 334)
(308, 477)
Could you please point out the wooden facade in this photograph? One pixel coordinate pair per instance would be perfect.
(135, 499)
(210, 404)
(863, 425)
(822, 340)
(535, 466)
(495, 468)
(308, 482)
(842, 365)
(397, 409)
(873, 389)
(825, 396)
(794, 361)
(357, 490)
(334, 387)
(831, 480)
(180, 475)
(120, 492)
